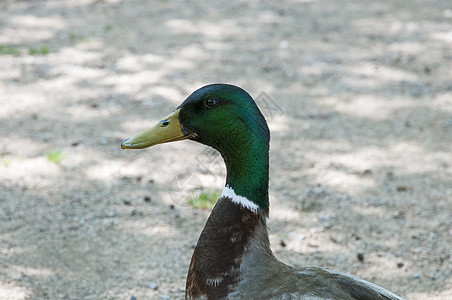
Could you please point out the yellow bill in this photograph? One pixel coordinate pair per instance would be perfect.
(167, 130)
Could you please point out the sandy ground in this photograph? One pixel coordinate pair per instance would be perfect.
(358, 95)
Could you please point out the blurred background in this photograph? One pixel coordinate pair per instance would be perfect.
(357, 94)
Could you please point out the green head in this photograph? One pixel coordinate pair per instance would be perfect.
(226, 118)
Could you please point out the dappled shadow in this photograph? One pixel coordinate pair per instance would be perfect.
(360, 151)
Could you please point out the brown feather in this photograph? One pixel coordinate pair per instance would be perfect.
(219, 250)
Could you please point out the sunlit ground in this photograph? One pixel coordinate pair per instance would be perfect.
(357, 95)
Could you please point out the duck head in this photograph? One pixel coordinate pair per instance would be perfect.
(226, 118)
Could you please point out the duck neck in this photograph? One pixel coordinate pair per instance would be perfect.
(247, 172)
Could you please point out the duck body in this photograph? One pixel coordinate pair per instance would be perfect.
(233, 259)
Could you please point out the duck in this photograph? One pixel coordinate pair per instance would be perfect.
(233, 258)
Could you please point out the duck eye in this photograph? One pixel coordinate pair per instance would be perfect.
(211, 103)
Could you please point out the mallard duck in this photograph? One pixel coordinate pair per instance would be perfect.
(233, 259)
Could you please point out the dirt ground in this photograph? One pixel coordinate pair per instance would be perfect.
(358, 96)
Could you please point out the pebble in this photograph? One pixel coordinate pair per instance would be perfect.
(398, 215)
(327, 222)
(360, 257)
(298, 236)
(103, 139)
(284, 44)
(367, 172)
(402, 188)
(327, 226)
(153, 286)
(164, 297)
(318, 191)
(136, 212)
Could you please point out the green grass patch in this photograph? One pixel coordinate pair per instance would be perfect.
(55, 156)
(74, 36)
(108, 27)
(38, 51)
(78, 38)
(205, 200)
(6, 161)
(9, 50)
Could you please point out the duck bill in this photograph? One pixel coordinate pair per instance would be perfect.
(167, 130)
